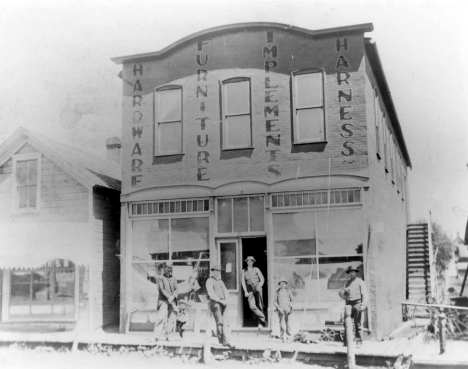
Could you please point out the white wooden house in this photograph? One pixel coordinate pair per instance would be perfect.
(59, 227)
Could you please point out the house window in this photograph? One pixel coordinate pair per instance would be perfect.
(44, 292)
(26, 182)
(378, 121)
(168, 131)
(308, 107)
(385, 138)
(237, 114)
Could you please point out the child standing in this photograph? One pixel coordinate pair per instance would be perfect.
(182, 318)
(282, 302)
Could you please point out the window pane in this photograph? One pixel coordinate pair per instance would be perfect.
(191, 280)
(229, 264)
(41, 285)
(240, 215)
(237, 98)
(238, 131)
(151, 239)
(301, 275)
(294, 234)
(309, 125)
(169, 105)
(144, 288)
(340, 232)
(257, 213)
(64, 286)
(189, 237)
(32, 172)
(308, 90)
(170, 137)
(32, 196)
(21, 172)
(225, 215)
(23, 197)
(332, 272)
(20, 287)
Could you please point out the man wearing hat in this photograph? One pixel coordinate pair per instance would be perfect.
(252, 283)
(355, 294)
(282, 302)
(167, 303)
(218, 294)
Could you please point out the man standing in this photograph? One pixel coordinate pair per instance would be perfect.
(167, 303)
(355, 294)
(252, 283)
(218, 294)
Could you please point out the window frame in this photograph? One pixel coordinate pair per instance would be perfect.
(14, 196)
(219, 241)
(379, 119)
(295, 135)
(224, 116)
(168, 217)
(243, 233)
(157, 123)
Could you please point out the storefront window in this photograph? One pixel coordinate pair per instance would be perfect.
(49, 290)
(189, 237)
(312, 250)
(301, 275)
(191, 278)
(182, 241)
(294, 234)
(340, 232)
(333, 275)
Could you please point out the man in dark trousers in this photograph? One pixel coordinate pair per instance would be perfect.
(218, 294)
(167, 303)
(355, 294)
(252, 284)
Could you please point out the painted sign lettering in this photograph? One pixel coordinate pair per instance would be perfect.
(345, 97)
(137, 117)
(201, 94)
(270, 53)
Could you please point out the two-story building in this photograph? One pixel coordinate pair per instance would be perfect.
(59, 227)
(272, 141)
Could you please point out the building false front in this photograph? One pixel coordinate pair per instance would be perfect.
(269, 141)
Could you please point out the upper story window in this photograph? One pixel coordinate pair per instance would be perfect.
(168, 130)
(308, 107)
(237, 114)
(378, 121)
(26, 182)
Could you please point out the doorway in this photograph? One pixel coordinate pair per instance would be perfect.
(256, 247)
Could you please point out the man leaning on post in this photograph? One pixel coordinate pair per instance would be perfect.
(355, 294)
(218, 295)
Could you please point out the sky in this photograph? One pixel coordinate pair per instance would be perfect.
(58, 78)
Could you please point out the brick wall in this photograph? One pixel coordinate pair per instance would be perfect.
(387, 249)
(232, 55)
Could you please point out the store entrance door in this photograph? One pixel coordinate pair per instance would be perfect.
(256, 247)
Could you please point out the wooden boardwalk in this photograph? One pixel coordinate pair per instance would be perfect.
(376, 353)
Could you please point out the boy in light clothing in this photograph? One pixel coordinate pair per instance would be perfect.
(283, 300)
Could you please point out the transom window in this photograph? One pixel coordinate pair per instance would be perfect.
(237, 116)
(168, 132)
(241, 214)
(308, 107)
(26, 182)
